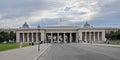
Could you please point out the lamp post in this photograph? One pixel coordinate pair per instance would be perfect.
(47, 39)
(38, 28)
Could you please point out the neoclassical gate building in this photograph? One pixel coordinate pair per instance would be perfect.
(57, 34)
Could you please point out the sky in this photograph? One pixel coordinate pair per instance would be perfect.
(98, 13)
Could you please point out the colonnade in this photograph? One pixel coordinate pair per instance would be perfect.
(92, 36)
(27, 37)
(61, 37)
(66, 37)
(48, 37)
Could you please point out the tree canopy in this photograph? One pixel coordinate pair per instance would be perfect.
(5, 36)
(113, 35)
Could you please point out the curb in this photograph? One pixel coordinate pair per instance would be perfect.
(39, 55)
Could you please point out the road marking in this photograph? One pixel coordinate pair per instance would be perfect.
(39, 55)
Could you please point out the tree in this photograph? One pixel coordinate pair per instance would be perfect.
(108, 35)
(4, 36)
(118, 35)
(12, 36)
(113, 35)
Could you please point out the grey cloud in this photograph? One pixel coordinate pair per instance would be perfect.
(11, 9)
(53, 21)
(18, 8)
(79, 13)
(109, 9)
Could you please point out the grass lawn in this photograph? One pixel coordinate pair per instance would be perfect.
(9, 46)
(117, 42)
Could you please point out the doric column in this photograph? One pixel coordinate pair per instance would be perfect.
(103, 36)
(32, 37)
(94, 35)
(80, 35)
(64, 38)
(36, 36)
(77, 37)
(70, 37)
(42, 36)
(85, 36)
(23, 37)
(28, 39)
(57, 37)
(45, 36)
(98, 36)
(90, 36)
(51, 37)
(17, 37)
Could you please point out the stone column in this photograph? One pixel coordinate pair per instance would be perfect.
(45, 39)
(23, 37)
(98, 36)
(42, 36)
(80, 35)
(103, 36)
(90, 36)
(32, 37)
(77, 37)
(57, 37)
(28, 39)
(64, 37)
(70, 38)
(51, 37)
(17, 37)
(37, 37)
(94, 35)
(85, 36)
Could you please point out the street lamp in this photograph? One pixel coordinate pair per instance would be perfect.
(48, 39)
(38, 28)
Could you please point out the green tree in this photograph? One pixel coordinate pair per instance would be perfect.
(118, 35)
(12, 36)
(113, 35)
(4, 36)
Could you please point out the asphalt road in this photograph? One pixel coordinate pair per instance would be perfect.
(80, 52)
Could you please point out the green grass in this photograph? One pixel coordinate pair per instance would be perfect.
(9, 46)
(116, 42)
(25, 45)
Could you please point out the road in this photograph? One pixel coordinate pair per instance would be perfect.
(80, 52)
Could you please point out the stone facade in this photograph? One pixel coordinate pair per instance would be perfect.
(57, 34)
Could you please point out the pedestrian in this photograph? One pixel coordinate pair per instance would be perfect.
(32, 43)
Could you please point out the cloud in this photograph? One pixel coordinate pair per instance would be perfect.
(18, 11)
(13, 13)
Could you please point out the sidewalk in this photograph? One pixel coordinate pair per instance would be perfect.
(108, 45)
(27, 53)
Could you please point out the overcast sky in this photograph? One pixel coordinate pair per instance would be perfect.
(99, 13)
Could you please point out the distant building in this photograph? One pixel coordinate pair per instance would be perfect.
(58, 34)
